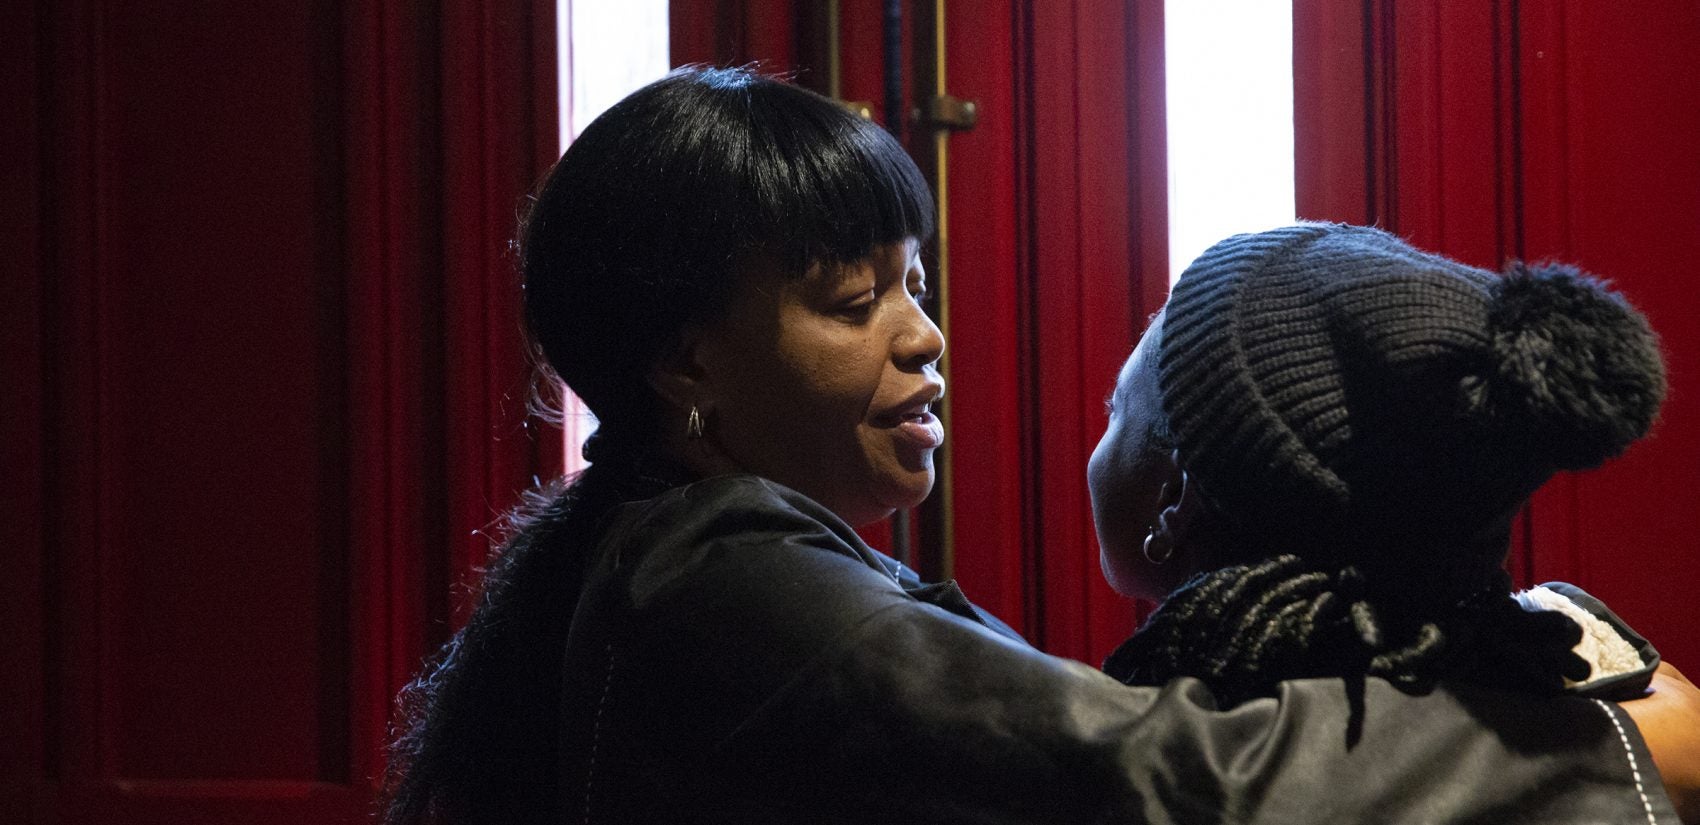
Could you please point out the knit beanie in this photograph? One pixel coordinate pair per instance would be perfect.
(1333, 389)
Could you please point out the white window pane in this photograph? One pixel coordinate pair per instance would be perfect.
(1230, 121)
(608, 49)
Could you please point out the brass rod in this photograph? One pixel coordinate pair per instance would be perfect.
(941, 150)
(834, 57)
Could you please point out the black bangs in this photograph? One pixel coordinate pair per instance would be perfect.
(826, 184)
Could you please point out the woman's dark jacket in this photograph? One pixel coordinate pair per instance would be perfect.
(739, 655)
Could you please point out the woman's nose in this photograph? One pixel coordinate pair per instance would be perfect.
(919, 342)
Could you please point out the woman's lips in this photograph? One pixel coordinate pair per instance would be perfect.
(922, 430)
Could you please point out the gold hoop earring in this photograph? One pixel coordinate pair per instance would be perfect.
(693, 424)
(1162, 542)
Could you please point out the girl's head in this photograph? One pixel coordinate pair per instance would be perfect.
(728, 243)
(1329, 391)
(1316, 450)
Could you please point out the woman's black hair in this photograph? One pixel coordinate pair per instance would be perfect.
(638, 232)
(642, 223)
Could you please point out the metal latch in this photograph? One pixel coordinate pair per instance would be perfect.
(948, 112)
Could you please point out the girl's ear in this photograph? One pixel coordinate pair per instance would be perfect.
(1186, 516)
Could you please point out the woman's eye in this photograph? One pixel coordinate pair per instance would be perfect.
(858, 306)
(919, 293)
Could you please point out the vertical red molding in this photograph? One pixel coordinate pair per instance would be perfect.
(23, 458)
(381, 60)
(452, 121)
(1552, 550)
(1331, 110)
(985, 346)
(1081, 287)
(1148, 163)
(75, 479)
(735, 33)
(1536, 130)
(1614, 171)
(492, 123)
(1053, 249)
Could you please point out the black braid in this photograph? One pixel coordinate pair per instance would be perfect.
(1242, 629)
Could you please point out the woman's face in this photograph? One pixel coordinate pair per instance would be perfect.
(1126, 476)
(825, 383)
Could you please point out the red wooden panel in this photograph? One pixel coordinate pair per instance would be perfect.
(185, 651)
(861, 50)
(211, 631)
(391, 237)
(1624, 186)
(1331, 108)
(734, 33)
(23, 453)
(1447, 194)
(1109, 283)
(1543, 102)
(497, 117)
(1081, 289)
(985, 346)
(691, 30)
(229, 471)
(1538, 130)
(1053, 290)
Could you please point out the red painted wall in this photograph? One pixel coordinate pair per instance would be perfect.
(1539, 130)
(263, 383)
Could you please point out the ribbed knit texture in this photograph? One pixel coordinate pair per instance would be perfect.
(1365, 416)
(1285, 351)
(1335, 387)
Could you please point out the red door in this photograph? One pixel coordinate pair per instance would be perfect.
(262, 384)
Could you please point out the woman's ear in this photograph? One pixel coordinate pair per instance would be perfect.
(679, 376)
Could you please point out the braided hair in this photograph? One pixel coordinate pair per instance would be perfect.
(1244, 628)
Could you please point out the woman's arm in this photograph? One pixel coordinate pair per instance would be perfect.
(1669, 719)
(848, 700)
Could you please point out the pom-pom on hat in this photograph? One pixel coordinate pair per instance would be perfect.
(1331, 386)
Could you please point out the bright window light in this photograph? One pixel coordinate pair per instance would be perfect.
(608, 49)
(1230, 119)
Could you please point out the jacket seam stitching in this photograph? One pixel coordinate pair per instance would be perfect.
(1634, 769)
(596, 734)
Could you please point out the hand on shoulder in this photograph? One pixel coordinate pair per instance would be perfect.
(1669, 719)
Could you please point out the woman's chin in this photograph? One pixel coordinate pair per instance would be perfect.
(910, 489)
(903, 493)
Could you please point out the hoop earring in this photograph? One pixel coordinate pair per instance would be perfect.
(693, 424)
(1162, 542)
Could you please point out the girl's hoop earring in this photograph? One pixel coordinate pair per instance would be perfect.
(1160, 543)
(693, 424)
